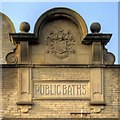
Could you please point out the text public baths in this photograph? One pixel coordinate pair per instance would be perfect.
(40, 89)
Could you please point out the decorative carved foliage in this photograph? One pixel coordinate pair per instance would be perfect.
(97, 109)
(61, 44)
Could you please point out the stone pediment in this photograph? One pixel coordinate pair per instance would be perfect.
(60, 32)
(60, 37)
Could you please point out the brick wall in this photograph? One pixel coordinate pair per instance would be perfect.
(9, 92)
(60, 108)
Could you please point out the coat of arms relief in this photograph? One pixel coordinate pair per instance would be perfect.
(60, 43)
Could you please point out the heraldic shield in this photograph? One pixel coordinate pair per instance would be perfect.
(60, 44)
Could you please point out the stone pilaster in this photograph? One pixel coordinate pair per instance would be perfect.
(24, 39)
(97, 41)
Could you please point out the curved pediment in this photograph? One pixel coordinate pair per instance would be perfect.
(61, 14)
(60, 32)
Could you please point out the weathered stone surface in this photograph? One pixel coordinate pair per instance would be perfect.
(108, 57)
(60, 74)
(56, 108)
(6, 44)
(97, 87)
(61, 90)
(60, 38)
(100, 55)
(9, 92)
(71, 77)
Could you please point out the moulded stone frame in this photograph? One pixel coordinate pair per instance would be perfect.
(60, 12)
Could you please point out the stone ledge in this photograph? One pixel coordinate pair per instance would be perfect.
(90, 38)
(30, 37)
(97, 103)
(58, 66)
(24, 103)
(81, 113)
(60, 118)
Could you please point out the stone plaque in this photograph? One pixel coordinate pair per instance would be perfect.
(60, 83)
(61, 90)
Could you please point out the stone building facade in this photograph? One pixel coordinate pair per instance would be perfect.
(59, 71)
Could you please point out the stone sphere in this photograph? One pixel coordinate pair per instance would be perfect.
(95, 27)
(24, 27)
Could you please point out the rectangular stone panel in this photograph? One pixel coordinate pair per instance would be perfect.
(61, 89)
(60, 74)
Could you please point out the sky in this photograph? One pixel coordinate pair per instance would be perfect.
(106, 13)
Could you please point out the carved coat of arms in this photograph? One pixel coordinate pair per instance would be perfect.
(61, 44)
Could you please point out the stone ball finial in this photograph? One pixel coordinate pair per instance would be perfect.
(95, 27)
(24, 27)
